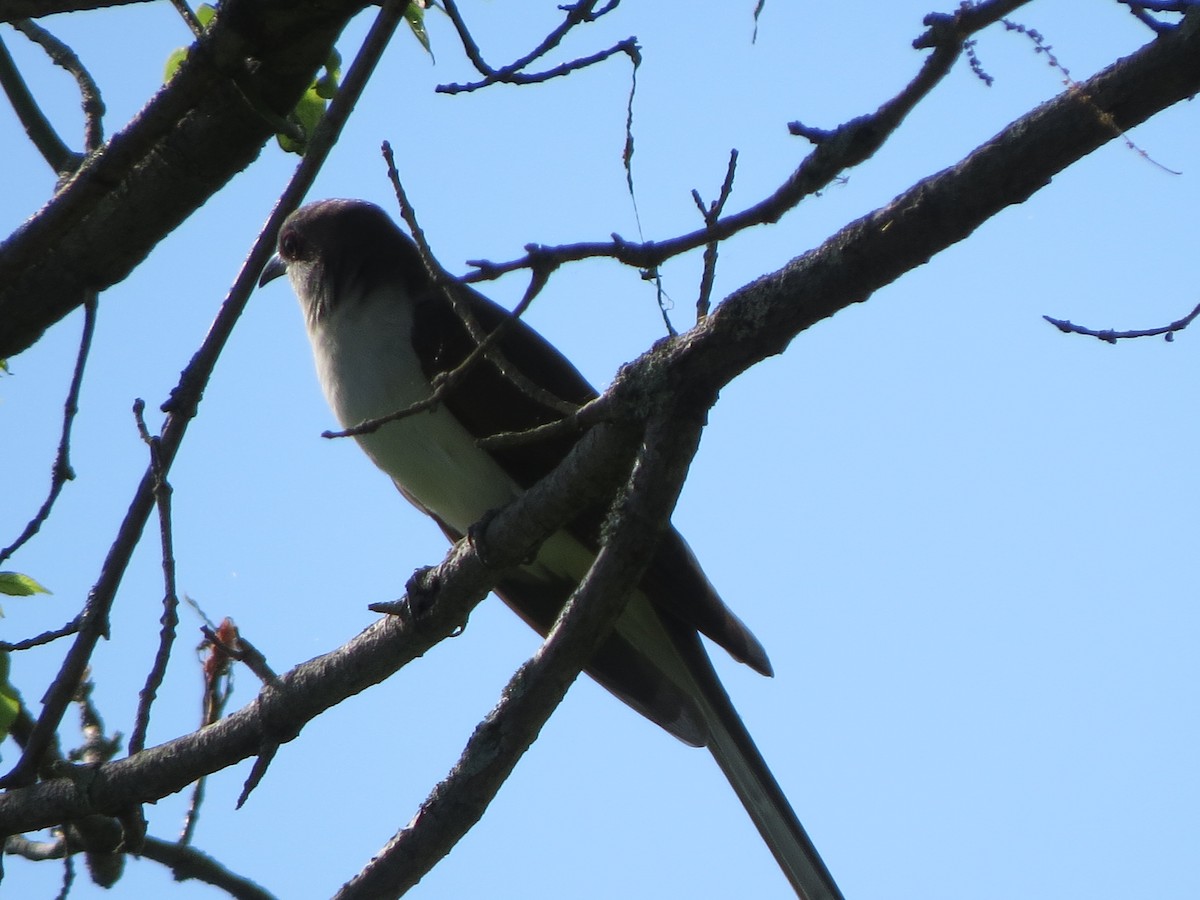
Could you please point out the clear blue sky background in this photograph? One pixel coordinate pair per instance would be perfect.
(966, 540)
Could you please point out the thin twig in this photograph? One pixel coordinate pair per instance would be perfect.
(62, 159)
(1139, 10)
(45, 637)
(711, 214)
(1111, 337)
(170, 603)
(485, 344)
(62, 55)
(188, 863)
(62, 472)
(189, 17)
(577, 14)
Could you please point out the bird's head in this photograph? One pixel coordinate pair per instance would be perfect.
(336, 251)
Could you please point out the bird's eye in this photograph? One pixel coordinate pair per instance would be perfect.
(290, 245)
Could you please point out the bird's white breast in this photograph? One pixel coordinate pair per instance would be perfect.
(367, 368)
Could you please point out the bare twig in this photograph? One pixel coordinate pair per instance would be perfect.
(188, 863)
(62, 159)
(189, 17)
(711, 214)
(185, 863)
(575, 424)
(170, 603)
(45, 637)
(578, 13)
(61, 471)
(1111, 337)
(485, 344)
(64, 56)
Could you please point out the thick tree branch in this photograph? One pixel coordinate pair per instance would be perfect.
(11, 10)
(760, 319)
(283, 708)
(207, 124)
(639, 517)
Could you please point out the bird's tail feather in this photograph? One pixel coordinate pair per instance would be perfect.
(735, 752)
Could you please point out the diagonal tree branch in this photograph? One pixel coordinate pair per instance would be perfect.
(639, 516)
(47, 141)
(284, 707)
(761, 318)
(11, 10)
(206, 125)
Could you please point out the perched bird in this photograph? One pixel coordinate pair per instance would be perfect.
(380, 330)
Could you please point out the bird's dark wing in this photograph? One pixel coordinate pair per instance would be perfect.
(486, 403)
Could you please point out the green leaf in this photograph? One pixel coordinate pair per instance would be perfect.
(205, 14)
(415, 16)
(311, 108)
(17, 585)
(174, 61)
(10, 701)
(308, 113)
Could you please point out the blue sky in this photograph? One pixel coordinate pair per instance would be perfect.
(965, 539)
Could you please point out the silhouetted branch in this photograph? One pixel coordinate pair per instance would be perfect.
(1111, 337)
(639, 516)
(514, 73)
(63, 56)
(170, 614)
(53, 149)
(188, 141)
(61, 472)
(11, 10)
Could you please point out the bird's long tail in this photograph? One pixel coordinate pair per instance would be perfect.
(734, 750)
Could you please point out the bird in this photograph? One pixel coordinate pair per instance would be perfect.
(382, 329)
